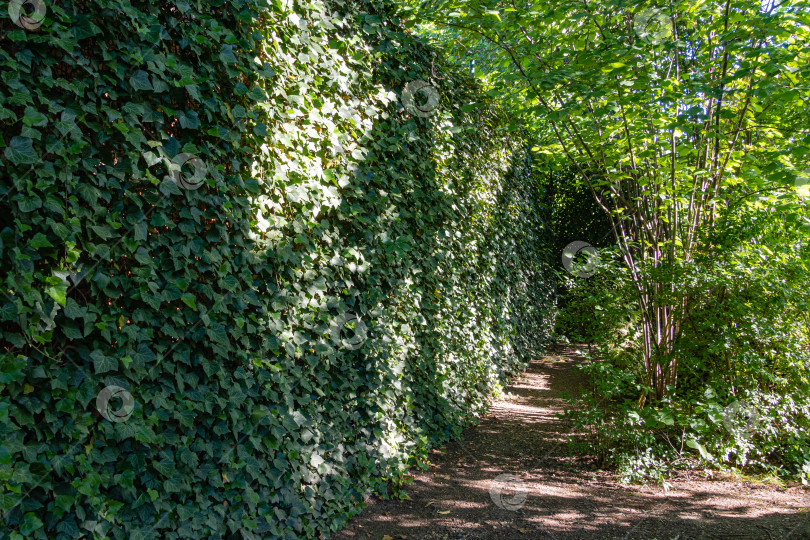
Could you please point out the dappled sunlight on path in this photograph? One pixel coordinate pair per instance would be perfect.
(513, 476)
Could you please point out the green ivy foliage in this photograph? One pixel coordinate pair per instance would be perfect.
(244, 285)
(574, 216)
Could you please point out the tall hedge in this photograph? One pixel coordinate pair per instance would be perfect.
(248, 276)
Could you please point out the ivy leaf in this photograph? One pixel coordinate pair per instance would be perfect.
(58, 291)
(189, 120)
(142, 256)
(21, 151)
(185, 417)
(218, 333)
(226, 54)
(144, 355)
(73, 310)
(39, 240)
(140, 81)
(188, 299)
(34, 118)
(29, 204)
(299, 418)
(31, 524)
(8, 501)
(230, 282)
(102, 363)
(7, 311)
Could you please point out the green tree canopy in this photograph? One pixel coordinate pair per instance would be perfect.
(671, 113)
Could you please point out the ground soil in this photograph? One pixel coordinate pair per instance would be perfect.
(556, 493)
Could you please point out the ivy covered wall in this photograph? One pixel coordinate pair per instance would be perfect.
(256, 259)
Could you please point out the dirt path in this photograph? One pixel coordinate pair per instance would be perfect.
(552, 494)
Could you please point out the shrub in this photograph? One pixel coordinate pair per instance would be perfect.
(741, 399)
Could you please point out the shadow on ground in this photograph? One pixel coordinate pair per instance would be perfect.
(553, 494)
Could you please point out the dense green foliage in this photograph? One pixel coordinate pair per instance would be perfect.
(574, 216)
(224, 210)
(743, 397)
(688, 121)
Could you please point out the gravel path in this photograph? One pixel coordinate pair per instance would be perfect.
(513, 476)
